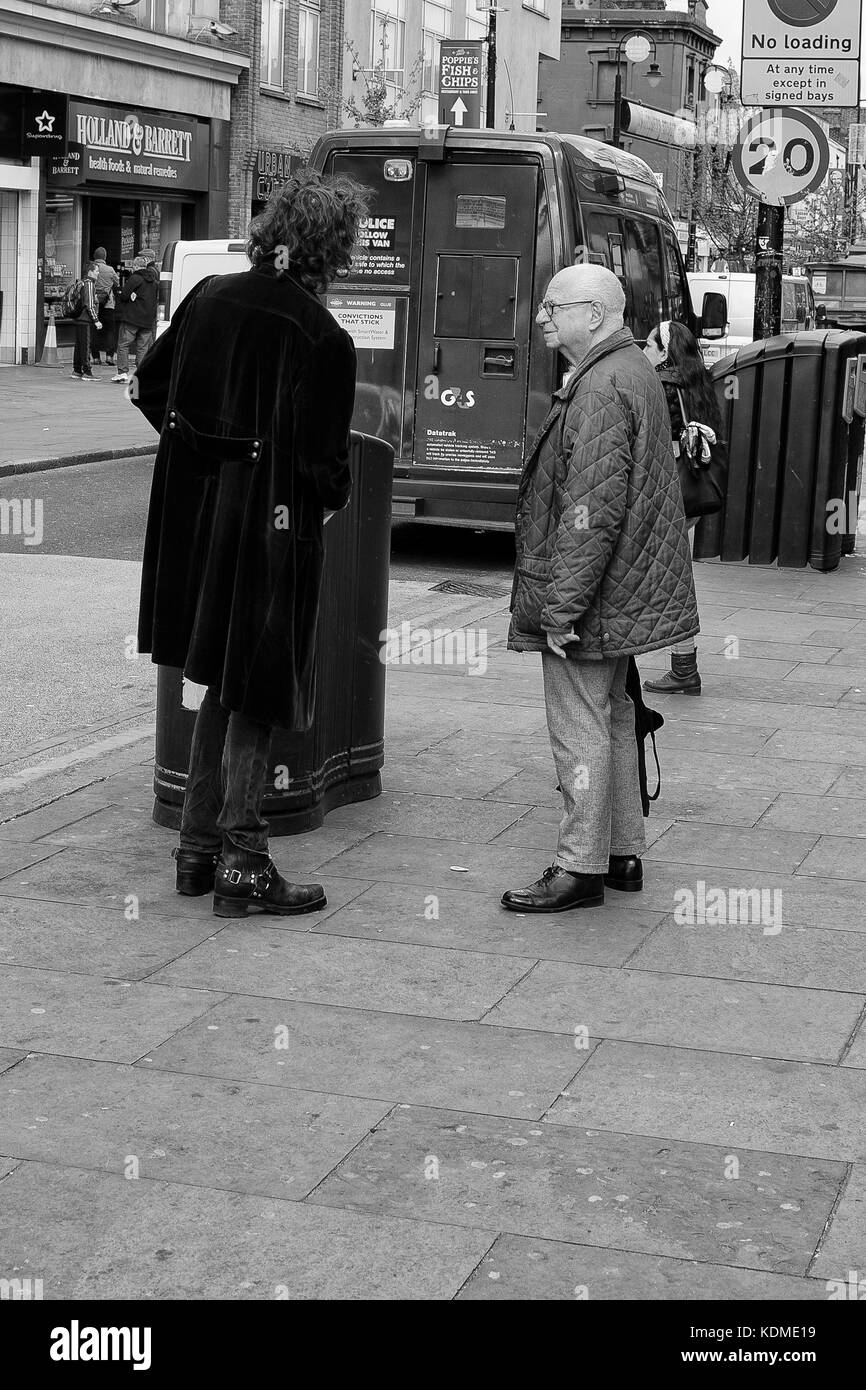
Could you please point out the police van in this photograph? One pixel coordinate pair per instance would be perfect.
(465, 231)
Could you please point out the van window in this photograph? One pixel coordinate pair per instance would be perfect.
(630, 247)
(643, 270)
(789, 304)
(675, 279)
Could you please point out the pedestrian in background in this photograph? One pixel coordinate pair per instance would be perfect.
(252, 388)
(107, 285)
(603, 573)
(87, 320)
(696, 429)
(136, 314)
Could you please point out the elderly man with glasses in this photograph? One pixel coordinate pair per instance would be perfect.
(603, 573)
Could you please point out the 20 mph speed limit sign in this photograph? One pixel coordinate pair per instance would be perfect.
(781, 155)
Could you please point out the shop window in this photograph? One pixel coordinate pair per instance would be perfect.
(273, 42)
(308, 48)
(62, 249)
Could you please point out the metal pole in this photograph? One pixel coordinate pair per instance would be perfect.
(617, 99)
(769, 240)
(491, 70)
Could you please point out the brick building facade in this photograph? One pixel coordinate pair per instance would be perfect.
(290, 95)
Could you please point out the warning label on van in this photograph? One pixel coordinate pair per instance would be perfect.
(448, 446)
(369, 321)
(377, 255)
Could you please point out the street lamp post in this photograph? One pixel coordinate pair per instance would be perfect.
(641, 47)
(715, 78)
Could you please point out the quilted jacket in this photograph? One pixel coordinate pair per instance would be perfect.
(601, 539)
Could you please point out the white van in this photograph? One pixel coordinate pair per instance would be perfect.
(798, 308)
(185, 263)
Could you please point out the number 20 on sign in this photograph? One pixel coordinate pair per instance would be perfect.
(781, 155)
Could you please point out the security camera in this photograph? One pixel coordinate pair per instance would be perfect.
(221, 31)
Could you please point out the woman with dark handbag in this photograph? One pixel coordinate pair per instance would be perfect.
(696, 427)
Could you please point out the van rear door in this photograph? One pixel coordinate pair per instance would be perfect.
(476, 312)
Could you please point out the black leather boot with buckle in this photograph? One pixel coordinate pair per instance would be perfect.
(196, 870)
(252, 883)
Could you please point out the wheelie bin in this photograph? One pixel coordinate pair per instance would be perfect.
(339, 759)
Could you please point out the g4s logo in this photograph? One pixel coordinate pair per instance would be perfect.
(453, 395)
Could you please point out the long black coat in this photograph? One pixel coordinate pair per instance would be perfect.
(251, 388)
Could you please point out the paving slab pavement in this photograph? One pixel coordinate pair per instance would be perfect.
(416, 1095)
(47, 419)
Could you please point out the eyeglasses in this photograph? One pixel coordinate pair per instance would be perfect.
(549, 307)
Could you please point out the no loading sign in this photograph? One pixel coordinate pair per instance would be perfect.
(802, 12)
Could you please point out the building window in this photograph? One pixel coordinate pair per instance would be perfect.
(437, 26)
(152, 15)
(389, 27)
(308, 48)
(475, 28)
(273, 42)
(606, 81)
(539, 5)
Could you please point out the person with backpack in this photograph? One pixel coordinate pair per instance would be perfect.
(696, 427)
(136, 314)
(80, 304)
(107, 285)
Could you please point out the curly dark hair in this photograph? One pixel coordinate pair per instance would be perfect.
(309, 228)
(685, 366)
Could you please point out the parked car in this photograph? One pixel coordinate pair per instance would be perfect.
(798, 308)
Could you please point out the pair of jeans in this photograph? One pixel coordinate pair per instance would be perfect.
(689, 645)
(81, 351)
(129, 336)
(222, 806)
(590, 719)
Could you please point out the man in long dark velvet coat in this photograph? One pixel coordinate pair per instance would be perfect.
(251, 388)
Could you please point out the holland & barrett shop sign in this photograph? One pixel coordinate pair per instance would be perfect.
(124, 146)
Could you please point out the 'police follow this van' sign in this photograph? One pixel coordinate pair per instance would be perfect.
(801, 52)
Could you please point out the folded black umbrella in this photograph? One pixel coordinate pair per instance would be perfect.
(646, 722)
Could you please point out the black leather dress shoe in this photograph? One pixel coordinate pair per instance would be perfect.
(195, 871)
(625, 873)
(252, 883)
(557, 891)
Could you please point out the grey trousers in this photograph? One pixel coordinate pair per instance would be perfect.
(590, 719)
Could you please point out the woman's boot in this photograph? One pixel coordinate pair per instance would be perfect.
(683, 678)
(248, 882)
(195, 871)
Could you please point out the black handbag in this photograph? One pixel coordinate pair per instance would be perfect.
(703, 482)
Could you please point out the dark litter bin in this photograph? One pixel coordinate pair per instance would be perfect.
(340, 758)
(795, 449)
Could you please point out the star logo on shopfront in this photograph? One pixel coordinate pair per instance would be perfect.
(45, 123)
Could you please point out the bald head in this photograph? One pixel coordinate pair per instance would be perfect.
(594, 282)
(584, 305)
